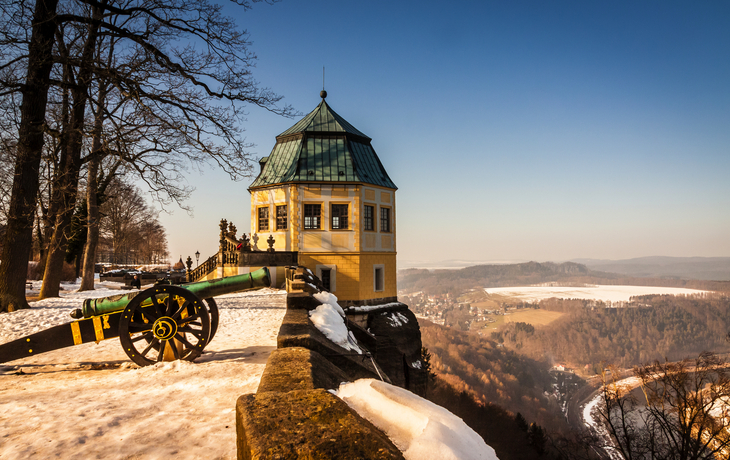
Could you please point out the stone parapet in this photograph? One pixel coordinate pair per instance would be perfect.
(306, 424)
(292, 416)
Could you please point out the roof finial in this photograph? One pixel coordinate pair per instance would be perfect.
(323, 93)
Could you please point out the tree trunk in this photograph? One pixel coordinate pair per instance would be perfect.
(92, 229)
(69, 177)
(19, 234)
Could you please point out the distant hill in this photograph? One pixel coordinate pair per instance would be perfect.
(698, 268)
(456, 282)
(444, 281)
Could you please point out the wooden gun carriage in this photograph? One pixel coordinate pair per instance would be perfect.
(162, 323)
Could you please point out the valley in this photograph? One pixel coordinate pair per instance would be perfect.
(538, 349)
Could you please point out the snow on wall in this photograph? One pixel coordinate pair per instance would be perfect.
(419, 428)
(329, 318)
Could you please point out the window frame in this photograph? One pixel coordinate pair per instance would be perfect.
(265, 220)
(346, 216)
(285, 217)
(373, 207)
(376, 268)
(389, 220)
(304, 216)
(333, 274)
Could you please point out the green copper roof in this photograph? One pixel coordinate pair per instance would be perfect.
(323, 119)
(322, 147)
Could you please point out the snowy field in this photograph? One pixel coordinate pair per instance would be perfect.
(91, 401)
(604, 293)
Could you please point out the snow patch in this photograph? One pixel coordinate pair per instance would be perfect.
(366, 308)
(396, 319)
(419, 428)
(329, 318)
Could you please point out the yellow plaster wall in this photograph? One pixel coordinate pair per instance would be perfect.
(294, 219)
(339, 192)
(312, 192)
(325, 239)
(377, 241)
(366, 276)
(355, 273)
(356, 224)
(340, 240)
(370, 240)
(354, 268)
(272, 197)
(348, 271)
(313, 240)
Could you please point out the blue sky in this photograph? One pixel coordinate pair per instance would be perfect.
(514, 130)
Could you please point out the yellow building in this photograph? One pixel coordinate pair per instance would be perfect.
(324, 193)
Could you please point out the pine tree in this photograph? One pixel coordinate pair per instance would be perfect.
(426, 360)
(521, 422)
(536, 437)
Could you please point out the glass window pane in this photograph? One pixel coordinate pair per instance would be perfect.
(281, 218)
(263, 219)
(312, 213)
(368, 213)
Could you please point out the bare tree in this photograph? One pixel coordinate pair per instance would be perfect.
(685, 415)
(179, 87)
(19, 232)
(130, 229)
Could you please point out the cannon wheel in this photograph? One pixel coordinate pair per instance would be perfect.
(213, 311)
(164, 319)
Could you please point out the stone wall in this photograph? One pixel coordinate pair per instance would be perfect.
(292, 415)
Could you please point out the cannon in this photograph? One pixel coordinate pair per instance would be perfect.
(162, 323)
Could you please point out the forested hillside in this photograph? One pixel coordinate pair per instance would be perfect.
(439, 282)
(492, 373)
(652, 328)
(509, 434)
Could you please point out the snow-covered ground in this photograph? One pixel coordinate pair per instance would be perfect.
(91, 401)
(603, 293)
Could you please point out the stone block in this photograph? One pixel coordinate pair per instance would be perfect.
(296, 368)
(306, 424)
(298, 331)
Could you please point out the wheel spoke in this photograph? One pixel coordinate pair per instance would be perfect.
(140, 327)
(175, 353)
(182, 308)
(150, 313)
(168, 303)
(161, 353)
(149, 347)
(196, 332)
(187, 320)
(182, 338)
(146, 336)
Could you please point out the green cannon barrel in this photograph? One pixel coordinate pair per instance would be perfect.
(203, 289)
